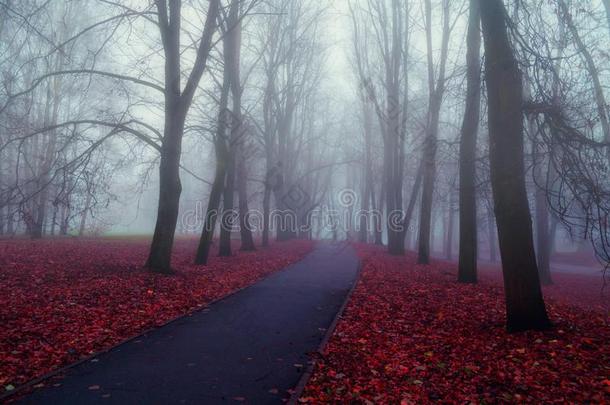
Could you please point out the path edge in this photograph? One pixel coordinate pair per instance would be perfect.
(6, 396)
(300, 387)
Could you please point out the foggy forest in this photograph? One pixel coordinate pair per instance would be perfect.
(304, 201)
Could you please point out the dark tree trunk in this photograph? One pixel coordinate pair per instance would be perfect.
(377, 218)
(492, 234)
(425, 212)
(245, 228)
(170, 188)
(413, 199)
(211, 215)
(367, 173)
(83, 219)
(449, 236)
(364, 217)
(228, 210)
(266, 214)
(220, 148)
(553, 236)
(436, 89)
(525, 307)
(543, 243)
(239, 131)
(467, 268)
(177, 103)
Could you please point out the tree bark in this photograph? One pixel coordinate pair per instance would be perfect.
(467, 267)
(436, 89)
(177, 103)
(83, 219)
(449, 236)
(525, 307)
(221, 152)
(543, 242)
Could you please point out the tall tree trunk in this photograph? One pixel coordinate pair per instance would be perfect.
(467, 267)
(228, 210)
(379, 215)
(367, 172)
(239, 142)
(170, 188)
(413, 199)
(525, 307)
(436, 89)
(177, 104)
(245, 228)
(266, 215)
(221, 152)
(449, 236)
(83, 218)
(211, 215)
(543, 242)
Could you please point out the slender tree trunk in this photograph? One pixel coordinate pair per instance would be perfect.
(379, 216)
(413, 199)
(239, 133)
(245, 228)
(553, 236)
(228, 209)
(449, 236)
(429, 174)
(543, 245)
(524, 304)
(266, 215)
(220, 149)
(170, 188)
(436, 89)
(493, 235)
(83, 219)
(177, 104)
(367, 173)
(467, 267)
(211, 215)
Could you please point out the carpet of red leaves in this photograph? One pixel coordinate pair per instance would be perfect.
(411, 334)
(61, 300)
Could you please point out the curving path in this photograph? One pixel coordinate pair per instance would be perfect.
(250, 347)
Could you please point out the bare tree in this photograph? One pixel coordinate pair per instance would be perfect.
(467, 268)
(177, 103)
(436, 91)
(524, 304)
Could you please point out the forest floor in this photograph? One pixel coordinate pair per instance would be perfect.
(250, 347)
(412, 334)
(65, 299)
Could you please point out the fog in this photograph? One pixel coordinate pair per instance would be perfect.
(362, 120)
(304, 201)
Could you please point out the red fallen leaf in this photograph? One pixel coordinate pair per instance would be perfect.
(93, 294)
(391, 339)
